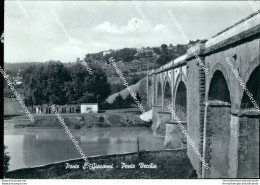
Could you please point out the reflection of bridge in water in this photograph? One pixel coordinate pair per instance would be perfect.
(226, 131)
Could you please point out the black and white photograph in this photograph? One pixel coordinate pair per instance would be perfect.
(130, 89)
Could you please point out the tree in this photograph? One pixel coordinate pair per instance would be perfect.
(45, 83)
(99, 85)
(165, 56)
(7, 92)
(164, 49)
(157, 51)
(56, 83)
(129, 100)
(138, 97)
(6, 160)
(118, 102)
(163, 59)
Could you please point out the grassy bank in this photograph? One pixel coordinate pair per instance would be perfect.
(168, 167)
(77, 121)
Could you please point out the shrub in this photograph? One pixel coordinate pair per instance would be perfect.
(6, 160)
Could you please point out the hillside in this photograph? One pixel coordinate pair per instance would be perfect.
(14, 67)
(134, 60)
(139, 87)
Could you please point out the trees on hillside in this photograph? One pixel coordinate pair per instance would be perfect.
(125, 54)
(164, 57)
(55, 83)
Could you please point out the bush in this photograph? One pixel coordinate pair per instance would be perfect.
(6, 160)
(8, 93)
(101, 119)
(77, 126)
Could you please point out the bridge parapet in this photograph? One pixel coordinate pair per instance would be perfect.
(180, 61)
(241, 26)
(196, 49)
(225, 133)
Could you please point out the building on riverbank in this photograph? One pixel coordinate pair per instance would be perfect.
(62, 109)
(89, 108)
(68, 109)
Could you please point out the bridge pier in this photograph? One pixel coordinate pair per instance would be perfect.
(217, 140)
(160, 127)
(248, 144)
(231, 152)
(174, 138)
(155, 116)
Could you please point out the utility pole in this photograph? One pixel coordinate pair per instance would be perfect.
(147, 56)
(138, 148)
(97, 100)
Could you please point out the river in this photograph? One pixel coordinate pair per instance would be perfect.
(33, 147)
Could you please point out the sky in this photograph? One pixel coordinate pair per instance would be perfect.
(39, 31)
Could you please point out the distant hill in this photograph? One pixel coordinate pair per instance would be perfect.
(134, 60)
(14, 67)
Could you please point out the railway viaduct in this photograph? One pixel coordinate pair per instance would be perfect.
(214, 108)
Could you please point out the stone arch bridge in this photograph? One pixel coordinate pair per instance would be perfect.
(214, 108)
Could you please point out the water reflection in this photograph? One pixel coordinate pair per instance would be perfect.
(32, 147)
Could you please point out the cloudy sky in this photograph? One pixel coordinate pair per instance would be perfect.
(64, 30)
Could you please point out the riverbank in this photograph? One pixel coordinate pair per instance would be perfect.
(165, 164)
(125, 118)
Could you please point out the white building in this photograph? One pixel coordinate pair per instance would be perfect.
(89, 108)
(106, 52)
(62, 109)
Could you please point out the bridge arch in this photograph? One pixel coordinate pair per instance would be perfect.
(249, 127)
(218, 130)
(218, 89)
(251, 67)
(181, 97)
(252, 86)
(252, 78)
(167, 93)
(159, 93)
(219, 77)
